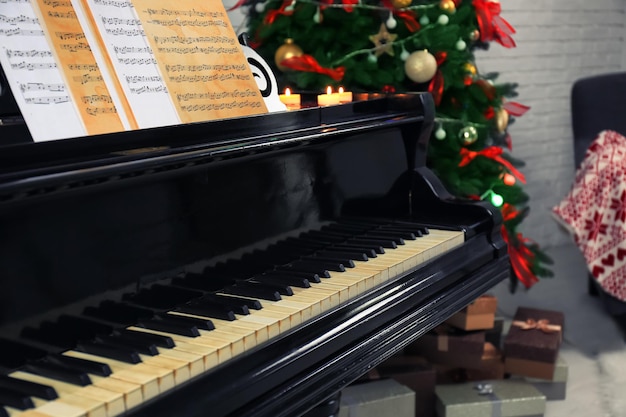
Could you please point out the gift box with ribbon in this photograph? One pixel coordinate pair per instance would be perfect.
(479, 315)
(447, 345)
(532, 344)
(503, 398)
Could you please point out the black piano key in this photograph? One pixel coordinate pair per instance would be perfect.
(376, 234)
(346, 228)
(369, 252)
(309, 276)
(303, 244)
(307, 268)
(178, 295)
(141, 347)
(197, 282)
(202, 324)
(15, 399)
(111, 352)
(323, 237)
(84, 365)
(385, 243)
(157, 339)
(58, 372)
(170, 327)
(256, 291)
(118, 312)
(238, 304)
(85, 327)
(48, 337)
(146, 299)
(282, 288)
(207, 310)
(320, 264)
(32, 389)
(15, 353)
(373, 248)
(352, 255)
(283, 279)
(335, 262)
(408, 231)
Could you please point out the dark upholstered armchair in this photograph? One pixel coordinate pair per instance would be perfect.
(598, 103)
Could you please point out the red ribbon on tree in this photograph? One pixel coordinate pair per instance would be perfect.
(435, 87)
(491, 152)
(515, 109)
(308, 64)
(408, 16)
(348, 5)
(492, 26)
(521, 259)
(273, 14)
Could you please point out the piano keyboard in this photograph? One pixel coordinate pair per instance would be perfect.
(119, 355)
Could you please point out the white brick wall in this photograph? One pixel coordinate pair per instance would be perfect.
(558, 41)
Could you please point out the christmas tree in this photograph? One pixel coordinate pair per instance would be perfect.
(415, 45)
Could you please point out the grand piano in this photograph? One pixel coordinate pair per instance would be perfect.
(240, 267)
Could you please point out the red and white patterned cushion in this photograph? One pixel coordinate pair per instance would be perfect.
(595, 211)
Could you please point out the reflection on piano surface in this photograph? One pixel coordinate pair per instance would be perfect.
(238, 267)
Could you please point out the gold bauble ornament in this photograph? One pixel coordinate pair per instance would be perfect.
(468, 135)
(420, 66)
(502, 120)
(399, 4)
(447, 6)
(287, 50)
(469, 68)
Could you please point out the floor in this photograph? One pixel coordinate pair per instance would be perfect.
(594, 346)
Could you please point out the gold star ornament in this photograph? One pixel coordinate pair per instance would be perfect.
(383, 41)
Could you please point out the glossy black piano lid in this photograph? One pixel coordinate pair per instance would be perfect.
(97, 217)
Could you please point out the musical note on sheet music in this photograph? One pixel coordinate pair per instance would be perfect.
(42, 87)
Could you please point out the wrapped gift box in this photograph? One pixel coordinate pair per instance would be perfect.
(532, 344)
(556, 388)
(417, 374)
(491, 367)
(479, 315)
(502, 398)
(450, 346)
(386, 397)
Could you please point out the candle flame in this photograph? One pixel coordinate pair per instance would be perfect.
(329, 90)
(287, 91)
(340, 90)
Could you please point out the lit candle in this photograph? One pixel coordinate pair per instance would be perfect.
(344, 96)
(292, 101)
(328, 99)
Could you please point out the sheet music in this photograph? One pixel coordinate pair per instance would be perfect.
(98, 104)
(35, 80)
(203, 65)
(126, 49)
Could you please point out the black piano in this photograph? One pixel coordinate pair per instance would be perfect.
(282, 256)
